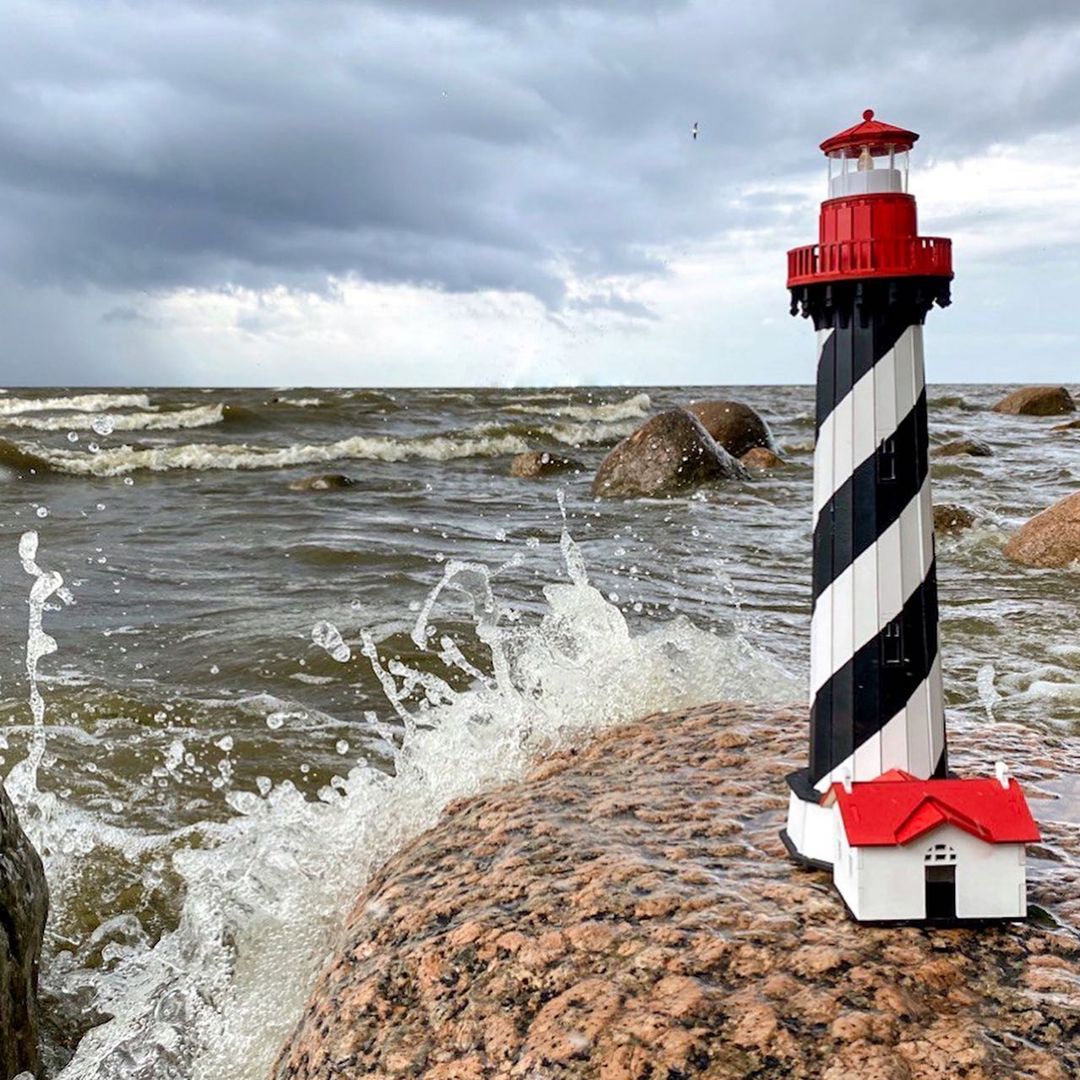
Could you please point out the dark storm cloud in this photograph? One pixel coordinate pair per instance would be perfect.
(464, 144)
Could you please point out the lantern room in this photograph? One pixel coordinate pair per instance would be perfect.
(868, 226)
(870, 158)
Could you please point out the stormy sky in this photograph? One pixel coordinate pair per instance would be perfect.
(506, 192)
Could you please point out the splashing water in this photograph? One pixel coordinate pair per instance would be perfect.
(265, 893)
(327, 636)
(22, 780)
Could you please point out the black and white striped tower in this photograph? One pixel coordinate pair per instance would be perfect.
(875, 670)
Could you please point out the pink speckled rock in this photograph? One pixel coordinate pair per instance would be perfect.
(627, 913)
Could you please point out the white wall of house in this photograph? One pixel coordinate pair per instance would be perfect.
(890, 882)
(811, 828)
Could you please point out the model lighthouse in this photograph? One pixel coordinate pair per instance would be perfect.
(877, 720)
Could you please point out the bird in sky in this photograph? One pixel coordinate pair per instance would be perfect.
(693, 131)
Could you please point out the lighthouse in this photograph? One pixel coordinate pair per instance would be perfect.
(875, 786)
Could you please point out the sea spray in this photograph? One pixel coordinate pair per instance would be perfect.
(266, 893)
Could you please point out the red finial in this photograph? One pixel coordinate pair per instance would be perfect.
(868, 114)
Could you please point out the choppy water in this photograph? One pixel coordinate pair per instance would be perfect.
(224, 765)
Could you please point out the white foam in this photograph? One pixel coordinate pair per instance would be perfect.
(632, 408)
(175, 420)
(120, 460)
(12, 406)
(267, 892)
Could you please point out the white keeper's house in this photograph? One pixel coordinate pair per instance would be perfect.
(934, 850)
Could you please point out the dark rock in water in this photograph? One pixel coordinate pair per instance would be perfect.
(24, 903)
(761, 457)
(949, 518)
(539, 463)
(1037, 401)
(672, 452)
(1070, 425)
(1050, 539)
(628, 912)
(735, 426)
(971, 447)
(326, 482)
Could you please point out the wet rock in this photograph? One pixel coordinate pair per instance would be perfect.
(24, 901)
(628, 912)
(761, 457)
(734, 425)
(670, 453)
(950, 518)
(1070, 425)
(971, 447)
(1037, 401)
(1050, 539)
(325, 482)
(539, 463)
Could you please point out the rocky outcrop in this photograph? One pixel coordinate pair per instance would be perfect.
(1050, 539)
(761, 458)
(949, 518)
(24, 902)
(971, 447)
(734, 425)
(670, 453)
(325, 482)
(1069, 425)
(1037, 401)
(537, 464)
(628, 913)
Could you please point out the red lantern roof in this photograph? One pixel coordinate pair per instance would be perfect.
(898, 808)
(875, 134)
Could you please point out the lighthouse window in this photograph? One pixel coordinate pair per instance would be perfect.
(887, 461)
(892, 644)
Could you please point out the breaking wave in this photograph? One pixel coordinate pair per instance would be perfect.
(633, 408)
(176, 420)
(12, 406)
(121, 460)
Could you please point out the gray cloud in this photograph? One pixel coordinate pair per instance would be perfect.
(465, 144)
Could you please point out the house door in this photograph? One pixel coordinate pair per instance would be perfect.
(940, 866)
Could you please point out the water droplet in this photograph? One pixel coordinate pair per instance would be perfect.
(128, 481)
(275, 720)
(73, 436)
(101, 506)
(103, 425)
(225, 743)
(215, 670)
(93, 447)
(42, 512)
(342, 746)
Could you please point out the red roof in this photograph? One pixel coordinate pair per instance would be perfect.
(898, 808)
(875, 134)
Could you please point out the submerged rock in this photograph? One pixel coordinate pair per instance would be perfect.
(628, 912)
(1037, 401)
(1050, 539)
(325, 482)
(761, 458)
(672, 452)
(971, 447)
(950, 518)
(1069, 425)
(734, 425)
(539, 463)
(24, 903)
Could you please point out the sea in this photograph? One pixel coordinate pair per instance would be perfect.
(225, 702)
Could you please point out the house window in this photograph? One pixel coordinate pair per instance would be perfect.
(940, 855)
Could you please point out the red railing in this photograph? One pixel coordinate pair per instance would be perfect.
(905, 256)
